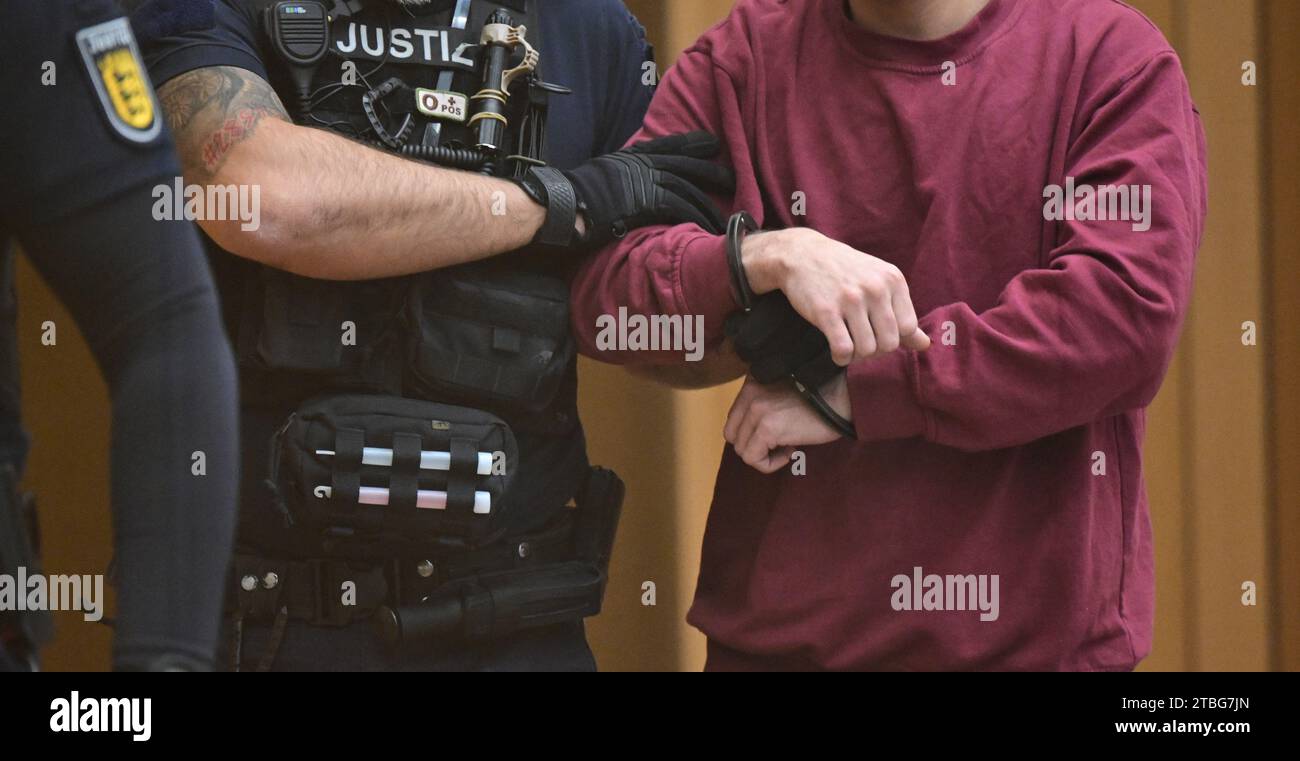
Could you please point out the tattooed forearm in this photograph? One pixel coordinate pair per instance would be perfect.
(211, 110)
(233, 131)
(183, 97)
(407, 216)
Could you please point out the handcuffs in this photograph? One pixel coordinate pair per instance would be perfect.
(775, 340)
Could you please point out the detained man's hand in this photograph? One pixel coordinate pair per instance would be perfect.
(859, 302)
(768, 423)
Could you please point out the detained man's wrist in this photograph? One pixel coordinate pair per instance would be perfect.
(762, 261)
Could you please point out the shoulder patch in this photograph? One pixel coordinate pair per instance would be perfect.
(117, 70)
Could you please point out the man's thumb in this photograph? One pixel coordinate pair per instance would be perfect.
(918, 341)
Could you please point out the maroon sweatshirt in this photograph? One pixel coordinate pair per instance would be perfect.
(992, 513)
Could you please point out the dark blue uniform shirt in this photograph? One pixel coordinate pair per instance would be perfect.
(596, 48)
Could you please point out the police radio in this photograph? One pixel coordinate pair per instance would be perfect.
(300, 33)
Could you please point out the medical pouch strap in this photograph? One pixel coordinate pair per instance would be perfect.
(404, 480)
(462, 477)
(345, 480)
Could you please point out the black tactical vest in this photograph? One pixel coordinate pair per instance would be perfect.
(491, 335)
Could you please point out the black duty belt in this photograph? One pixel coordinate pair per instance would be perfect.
(553, 576)
(335, 592)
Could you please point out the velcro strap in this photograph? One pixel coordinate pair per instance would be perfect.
(462, 476)
(345, 478)
(404, 479)
(561, 207)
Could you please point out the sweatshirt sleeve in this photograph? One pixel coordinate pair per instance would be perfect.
(1089, 334)
(678, 270)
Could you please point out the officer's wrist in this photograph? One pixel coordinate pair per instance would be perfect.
(560, 212)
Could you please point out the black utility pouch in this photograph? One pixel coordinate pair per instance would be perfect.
(301, 325)
(352, 466)
(488, 335)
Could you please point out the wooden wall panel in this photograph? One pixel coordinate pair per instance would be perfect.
(630, 428)
(1164, 468)
(1280, 26)
(65, 409)
(1228, 406)
(671, 484)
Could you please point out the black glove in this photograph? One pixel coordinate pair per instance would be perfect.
(658, 182)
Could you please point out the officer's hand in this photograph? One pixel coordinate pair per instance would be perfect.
(658, 182)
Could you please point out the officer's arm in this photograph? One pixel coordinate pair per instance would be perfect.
(332, 208)
(142, 295)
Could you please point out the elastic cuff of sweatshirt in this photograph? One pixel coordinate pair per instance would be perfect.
(885, 397)
(703, 282)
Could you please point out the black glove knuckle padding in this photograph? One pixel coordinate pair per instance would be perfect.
(660, 181)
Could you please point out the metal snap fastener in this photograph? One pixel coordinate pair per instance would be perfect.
(524, 549)
(270, 580)
(425, 569)
(248, 583)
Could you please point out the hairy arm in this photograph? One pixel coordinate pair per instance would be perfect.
(332, 208)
